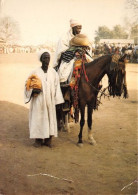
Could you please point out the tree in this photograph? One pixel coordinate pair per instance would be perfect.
(118, 32)
(9, 30)
(131, 17)
(132, 8)
(104, 32)
(134, 33)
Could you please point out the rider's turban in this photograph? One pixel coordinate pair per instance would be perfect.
(74, 23)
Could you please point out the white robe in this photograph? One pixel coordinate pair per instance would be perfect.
(62, 46)
(42, 114)
(65, 69)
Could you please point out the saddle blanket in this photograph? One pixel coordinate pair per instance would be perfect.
(76, 72)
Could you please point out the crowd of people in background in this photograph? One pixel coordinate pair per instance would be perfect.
(98, 49)
(106, 48)
(7, 49)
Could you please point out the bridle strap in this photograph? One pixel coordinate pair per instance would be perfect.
(87, 79)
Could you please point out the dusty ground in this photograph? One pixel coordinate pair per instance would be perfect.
(103, 169)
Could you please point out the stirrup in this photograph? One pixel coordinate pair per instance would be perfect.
(64, 84)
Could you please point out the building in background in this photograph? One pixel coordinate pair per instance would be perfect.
(122, 42)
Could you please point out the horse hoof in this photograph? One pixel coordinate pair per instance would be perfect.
(67, 130)
(80, 145)
(93, 142)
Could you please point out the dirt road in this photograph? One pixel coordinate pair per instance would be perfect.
(104, 169)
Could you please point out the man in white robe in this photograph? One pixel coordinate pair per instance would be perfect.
(42, 114)
(64, 41)
(65, 69)
(78, 43)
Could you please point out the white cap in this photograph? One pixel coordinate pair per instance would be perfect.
(43, 51)
(74, 22)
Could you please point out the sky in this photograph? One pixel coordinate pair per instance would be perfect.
(42, 21)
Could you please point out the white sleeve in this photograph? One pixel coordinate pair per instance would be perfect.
(63, 45)
(27, 94)
(58, 93)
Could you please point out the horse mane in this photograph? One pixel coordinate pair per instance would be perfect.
(97, 60)
(116, 76)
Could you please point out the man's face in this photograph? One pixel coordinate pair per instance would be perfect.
(76, 30)
(45, 59)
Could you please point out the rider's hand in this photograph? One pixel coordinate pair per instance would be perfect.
(77, 54)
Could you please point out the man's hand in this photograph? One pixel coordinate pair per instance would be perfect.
(35, 92)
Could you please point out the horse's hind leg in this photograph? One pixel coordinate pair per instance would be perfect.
(89, 121)
(82, 122)
(60, 118)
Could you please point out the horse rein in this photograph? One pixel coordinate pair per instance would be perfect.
(88, 81)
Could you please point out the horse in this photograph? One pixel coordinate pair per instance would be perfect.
(91, 74)
(88, 89)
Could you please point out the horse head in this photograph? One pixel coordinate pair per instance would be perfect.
(117, 76)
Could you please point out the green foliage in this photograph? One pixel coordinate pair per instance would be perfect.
(104, 32)
(119, 33)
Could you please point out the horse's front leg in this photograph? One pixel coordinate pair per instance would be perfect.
(67, 127)
(82, 122)
(89, 121)
(59, 117)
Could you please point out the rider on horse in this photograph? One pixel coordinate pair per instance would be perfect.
(69, 69)
(63, 43)
(79, 46)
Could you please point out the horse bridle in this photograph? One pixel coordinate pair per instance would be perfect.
(88, 81)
